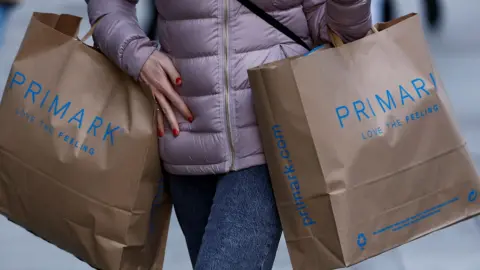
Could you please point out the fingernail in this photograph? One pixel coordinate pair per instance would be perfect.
(190, 119)
(176, 132)
(178, 81)
(159, 133)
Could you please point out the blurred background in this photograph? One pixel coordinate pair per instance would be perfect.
(454, 37)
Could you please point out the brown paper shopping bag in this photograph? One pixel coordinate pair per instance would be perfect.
(79, 164)
(362, 148)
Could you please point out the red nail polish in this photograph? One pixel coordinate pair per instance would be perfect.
(178, 81)
(176, 132)
(190, 119)
(159, 133)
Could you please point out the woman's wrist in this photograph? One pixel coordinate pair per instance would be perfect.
(135, 54)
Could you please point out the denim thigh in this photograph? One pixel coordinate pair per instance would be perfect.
(229, 221)
(192, 198)
(243, 229)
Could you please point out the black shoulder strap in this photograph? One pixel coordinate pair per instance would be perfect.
(273, 22)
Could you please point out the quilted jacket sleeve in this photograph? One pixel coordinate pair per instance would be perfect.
(118, 34)
(350, 19)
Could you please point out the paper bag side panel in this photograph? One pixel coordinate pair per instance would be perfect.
(151, 178)
(164, 217)
(296, 177)
(152, 256)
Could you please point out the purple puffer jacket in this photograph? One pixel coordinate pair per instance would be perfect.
(213, 43)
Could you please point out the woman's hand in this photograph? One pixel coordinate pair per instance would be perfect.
(160, 75)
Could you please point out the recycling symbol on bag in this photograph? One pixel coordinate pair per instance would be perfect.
(473, 195)
(361, 241)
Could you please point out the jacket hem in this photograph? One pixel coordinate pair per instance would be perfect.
(219, 168)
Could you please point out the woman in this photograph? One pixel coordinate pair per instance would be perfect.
(209, 139)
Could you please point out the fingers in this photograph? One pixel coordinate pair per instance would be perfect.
(170, 70)
(160, 124)
(167, 112)
(166, 88)
(160, 74)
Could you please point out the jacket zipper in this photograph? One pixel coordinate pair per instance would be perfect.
(227, 87)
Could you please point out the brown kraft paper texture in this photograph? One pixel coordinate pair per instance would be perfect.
(79, 163)
(362, 147)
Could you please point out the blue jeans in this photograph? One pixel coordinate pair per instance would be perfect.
(230, 221)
